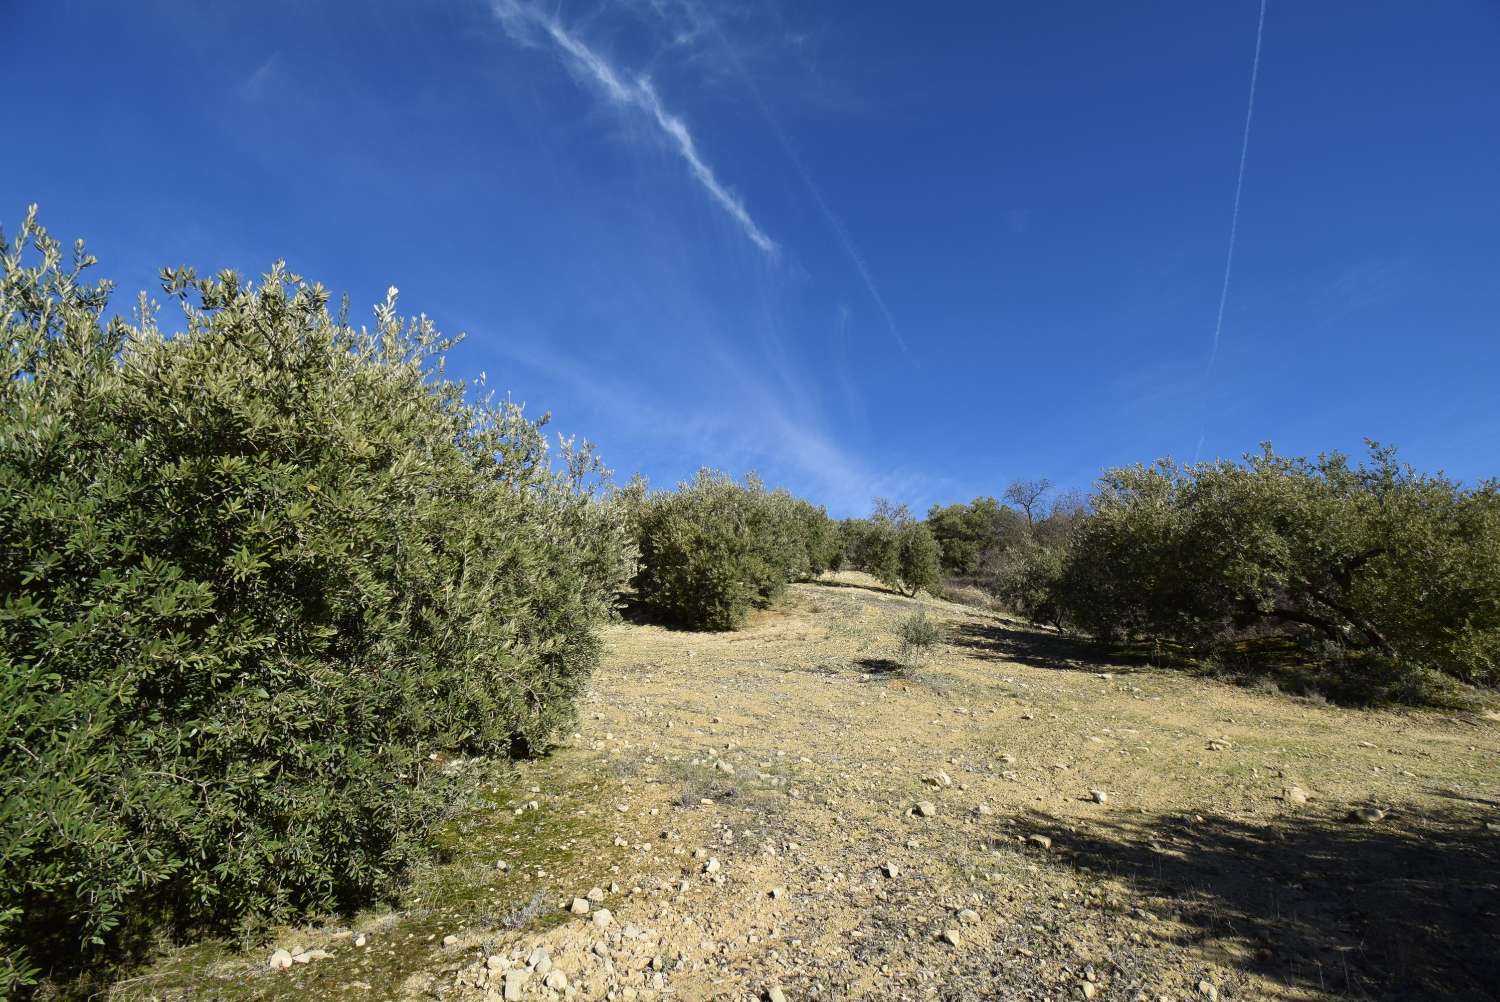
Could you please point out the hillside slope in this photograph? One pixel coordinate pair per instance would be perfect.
(744, 805)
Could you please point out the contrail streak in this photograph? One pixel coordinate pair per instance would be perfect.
(638, 94)
(1234, 219)
(832, 218)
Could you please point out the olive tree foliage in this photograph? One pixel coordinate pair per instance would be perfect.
(893, 547)
(973, 536)
(252, 575)
(714, 548)
(1374, 560)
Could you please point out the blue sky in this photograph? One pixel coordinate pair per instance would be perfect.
(863, 248)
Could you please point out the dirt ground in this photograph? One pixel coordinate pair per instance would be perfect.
(744, 808)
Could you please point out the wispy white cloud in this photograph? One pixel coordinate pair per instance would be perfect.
(702, 22)
(526, 23)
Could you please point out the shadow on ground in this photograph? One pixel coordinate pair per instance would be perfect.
(997, 642)
(880, 666)
(1408, 908)
(872, 587)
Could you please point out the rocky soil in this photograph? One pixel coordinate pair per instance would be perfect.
(785, 813)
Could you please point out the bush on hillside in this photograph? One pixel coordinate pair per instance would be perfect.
(714, 548)
(1025, 580)
(1377, 562)
(251, 576)
(894, 548)
(919, 638)
(819, 539)
(971, 535)
(918, 559)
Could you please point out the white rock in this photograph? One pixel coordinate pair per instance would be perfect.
(1040, 841)
(951, 937)
(515, 981)
(891, 870)
(359, 940)
(580, 906)
(556, 980)
(925, 809)
(450, 939)
(596, 894)
(1099, 796)
(1294, 795)
(968, 916)
(280, 960)
(712, 866)
(602, 918)
(775, 994)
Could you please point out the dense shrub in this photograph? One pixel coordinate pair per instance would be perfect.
(1375, 561)
(894, 548)
(918, 567)
(971, 536)
(251, 576)
(713, 548)
(818, 537)
(871, 545)
(1025, 579)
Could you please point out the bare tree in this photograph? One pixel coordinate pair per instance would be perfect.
(1027, 495)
